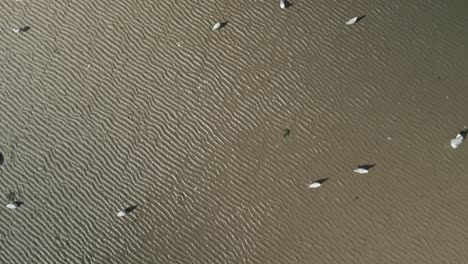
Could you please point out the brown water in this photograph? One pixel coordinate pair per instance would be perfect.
(108, 104)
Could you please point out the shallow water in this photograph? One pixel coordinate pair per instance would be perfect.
(112, 104)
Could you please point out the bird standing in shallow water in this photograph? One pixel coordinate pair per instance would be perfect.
(216, 26)
(126, 211)
(362, 169)
(456, 142)
(285, 4)
(219, 25)
(121, 213)
(352, 21)
(12, 205)
(317, 183)
(314, 185)
(21, 29)
(282, 4)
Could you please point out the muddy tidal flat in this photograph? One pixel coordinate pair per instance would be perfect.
(214, 136)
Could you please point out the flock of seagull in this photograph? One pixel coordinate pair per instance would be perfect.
(14, 203)
(362, 169)
(455, 143)
(283, 5)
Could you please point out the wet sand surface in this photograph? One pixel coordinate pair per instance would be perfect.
(108, 104)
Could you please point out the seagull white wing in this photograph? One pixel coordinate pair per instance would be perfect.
(282, 4)
(216, 26)
(314, 185)
(121, 213)
(352, 21)
(456, 142)
(11, 206)
(361, 170)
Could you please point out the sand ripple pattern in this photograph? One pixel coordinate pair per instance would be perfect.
(107, 104)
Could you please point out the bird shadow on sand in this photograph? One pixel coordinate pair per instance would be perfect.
(463, 133)
(18, 203)
(130, 209)
(223, 24)
(287, 4)
(322, 180)
(366, 166)
(359, 18)
(24, 29)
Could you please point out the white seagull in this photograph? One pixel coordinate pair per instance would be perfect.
(352, 21)
(126, 211)
(316, 184)
(12, 205)
(21, 29)
(121, 213)
(456, 142)
(282, 4)
(361, 170)
(216, 26)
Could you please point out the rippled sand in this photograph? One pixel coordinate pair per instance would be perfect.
(108, 104)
